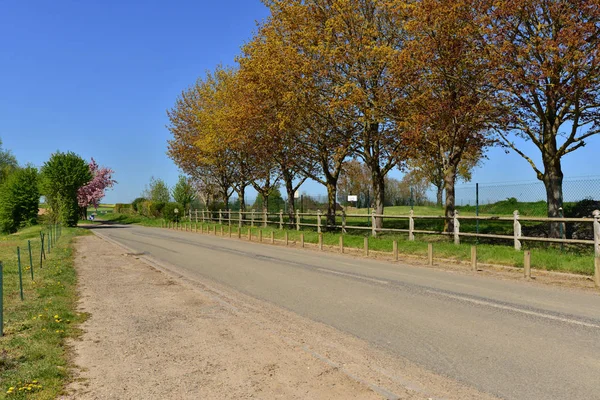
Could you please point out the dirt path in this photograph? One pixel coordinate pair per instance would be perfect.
(155, 336)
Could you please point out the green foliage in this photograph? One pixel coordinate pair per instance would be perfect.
(157, 190)
(61, 177)
(156, 208)
(275, 201)
(136, 203)
(8, 163)
(168, 211)
(19, 200)
(183, 192)
(122, 208)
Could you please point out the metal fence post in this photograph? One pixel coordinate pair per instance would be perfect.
(456, 228)
(373, 230)
(343, 221)
(297, 220)
(1, 299)
(318, 221)
(30, 258)
(517, 230)
(411, 226)
(280, 219)
(596, 214)
(20, 272)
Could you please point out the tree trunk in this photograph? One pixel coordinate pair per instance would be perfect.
(331, 203)
(378, 186)
(553, 181)
(440, 193)
(242, 194)
(449, 182)
(289, 188)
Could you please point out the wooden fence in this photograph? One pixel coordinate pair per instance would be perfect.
(255, 218)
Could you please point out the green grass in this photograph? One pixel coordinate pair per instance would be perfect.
(33, 353)
(546, 258)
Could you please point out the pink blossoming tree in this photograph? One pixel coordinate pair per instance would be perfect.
(93, 192)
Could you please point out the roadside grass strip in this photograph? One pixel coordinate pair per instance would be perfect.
(34, 360)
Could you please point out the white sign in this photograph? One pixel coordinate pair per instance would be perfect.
(296, 195)
(352, 198)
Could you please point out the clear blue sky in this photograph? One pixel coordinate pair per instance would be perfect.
(97, 77)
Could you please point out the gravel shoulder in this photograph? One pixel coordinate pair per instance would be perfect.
(154, 334)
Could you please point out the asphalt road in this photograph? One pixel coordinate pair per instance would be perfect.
(511, 339)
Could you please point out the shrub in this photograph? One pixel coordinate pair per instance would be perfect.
(123, 208)
(19, 200)
(136, 203)
(168, 211)
(156, 208)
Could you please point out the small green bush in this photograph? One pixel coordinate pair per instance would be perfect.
(156, 208)
(136, 203)
(122, 208)
(168, 211)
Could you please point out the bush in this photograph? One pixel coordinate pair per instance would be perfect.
(136, 203)
(19, 200)
(581, 209)
(168, 211)
(156, 208)
(122, 208)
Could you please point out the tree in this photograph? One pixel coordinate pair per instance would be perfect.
(94, 191)
(8, 163)
(355, 180)
(452, 105)
(19, 200)
(546, 58)
(61, 178)
(184, 192)
(157, 190)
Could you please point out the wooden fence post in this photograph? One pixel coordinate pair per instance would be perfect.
(456, 228)
(280, 219)
(373, 230)
(249, 234)
(240, 214)
(517, 230)
(342, 244)
(222, 231)
(260, 235)
(366, 245)
(272, 237)
(239, 233)
(597, 271)
(411, 226)
(430, 253)
(474, 258)
(202, 216)
(229, 229)
(229, 217)
(527, 264)
(302, 240)
(265, 218)
(297, 220)
(220, 216)
(343, 221)
(196, 212)
(320, 241)
(395, 249)
(252, 219)
(318, 221)
(285, 238)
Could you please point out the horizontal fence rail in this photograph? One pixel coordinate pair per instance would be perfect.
(320, 222)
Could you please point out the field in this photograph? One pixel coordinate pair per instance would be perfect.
(33, 357)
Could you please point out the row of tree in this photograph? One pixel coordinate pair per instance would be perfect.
(425, 85)
(69, 184)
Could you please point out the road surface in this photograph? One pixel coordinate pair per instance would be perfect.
(511, 339)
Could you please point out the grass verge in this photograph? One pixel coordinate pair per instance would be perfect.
(33, 357)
